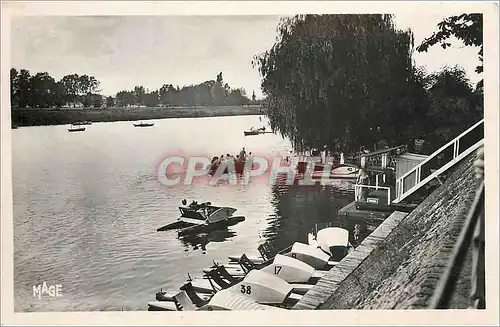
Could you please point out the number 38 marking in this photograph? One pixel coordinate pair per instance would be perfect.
(246, 289)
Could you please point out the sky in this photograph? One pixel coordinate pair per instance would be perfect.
(125, 51)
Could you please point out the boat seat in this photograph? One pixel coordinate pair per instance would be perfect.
(214, 275)
(183, 303)
(195, 298)
(246, 264)
(225, 274)
(267, 251)
(203, 285)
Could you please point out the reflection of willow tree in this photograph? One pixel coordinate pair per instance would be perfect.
(296, 210)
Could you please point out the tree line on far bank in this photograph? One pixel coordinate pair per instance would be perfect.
(348, 81)
(43, 91)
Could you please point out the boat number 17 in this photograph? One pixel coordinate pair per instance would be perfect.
(246, 289)
(277, 269)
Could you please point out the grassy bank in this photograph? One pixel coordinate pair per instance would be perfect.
(38, 117)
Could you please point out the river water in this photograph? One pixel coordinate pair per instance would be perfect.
(87, 206)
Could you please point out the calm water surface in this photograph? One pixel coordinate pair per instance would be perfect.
(87, 206)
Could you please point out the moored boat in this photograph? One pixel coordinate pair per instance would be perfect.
(247, 133)
(341, 171)
(278, 278)
(334, 241)
(76, 129)
(141, 124)
(310, 255)
(254, 131)
(228, 300)
(266, 288)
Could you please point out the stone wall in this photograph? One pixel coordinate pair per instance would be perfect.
(403, 272)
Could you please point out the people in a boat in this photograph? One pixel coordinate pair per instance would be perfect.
(249, 160)
(242, 153)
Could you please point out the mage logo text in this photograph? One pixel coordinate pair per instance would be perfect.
(44, 289)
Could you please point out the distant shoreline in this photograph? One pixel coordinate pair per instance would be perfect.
(43, 117)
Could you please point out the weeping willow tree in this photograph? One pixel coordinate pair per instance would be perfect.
(341, 81)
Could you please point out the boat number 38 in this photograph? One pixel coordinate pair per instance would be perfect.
(246, 289)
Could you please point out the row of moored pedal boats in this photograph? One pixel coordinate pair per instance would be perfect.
(273, 280)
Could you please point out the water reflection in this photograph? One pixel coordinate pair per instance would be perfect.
(200, 241)
(298, 208)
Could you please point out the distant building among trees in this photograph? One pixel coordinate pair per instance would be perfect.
(75, 91)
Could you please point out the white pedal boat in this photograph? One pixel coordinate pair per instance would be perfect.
(205, 286)
(301, 275)
(332, 240)
(265, 288)
(311, 255)
(289, 269)
(229, 300)
(292, 270)
(308, 253)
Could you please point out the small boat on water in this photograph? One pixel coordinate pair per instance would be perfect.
(76, 129)
(253, 131)
(200, 218)
(141, 124)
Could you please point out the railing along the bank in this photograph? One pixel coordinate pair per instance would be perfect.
(472, 235)
(440, 161)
